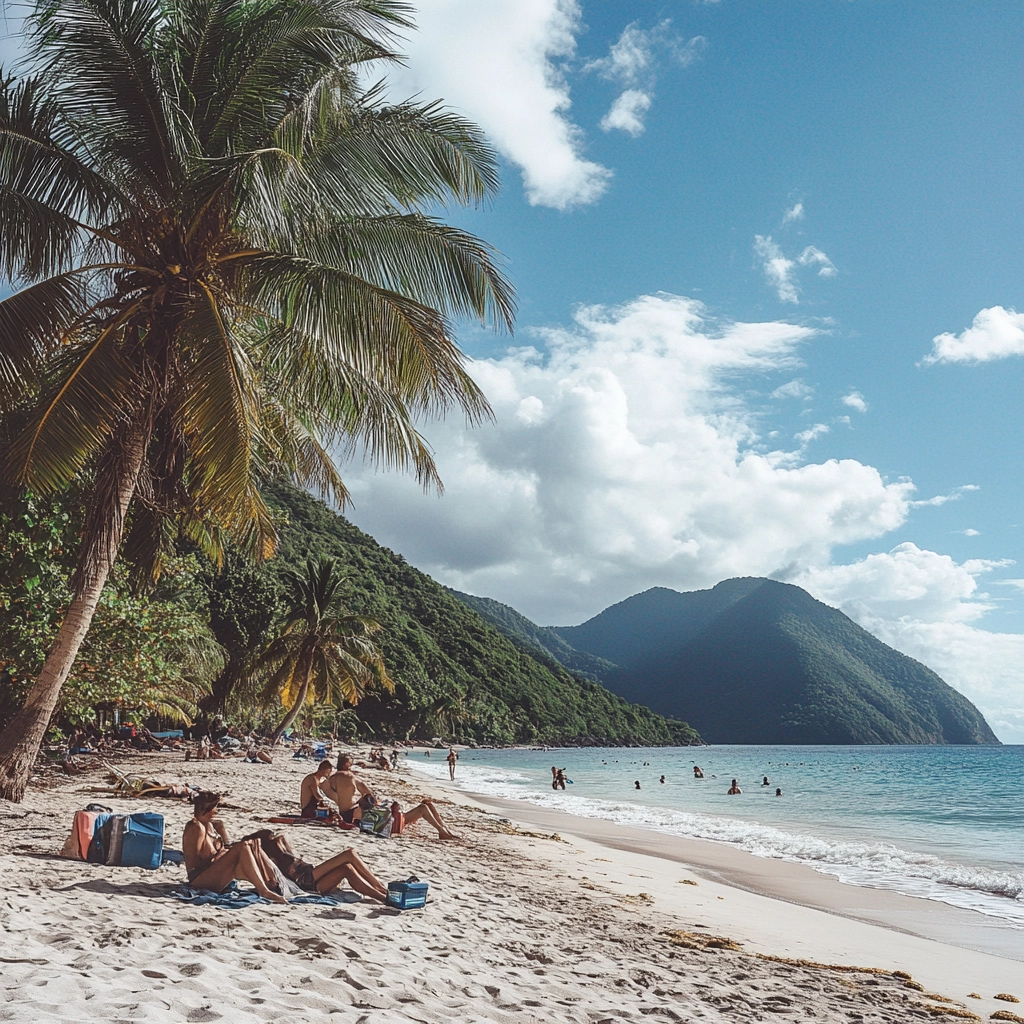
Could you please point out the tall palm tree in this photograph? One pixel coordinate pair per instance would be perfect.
(227, 268)
(324, 652)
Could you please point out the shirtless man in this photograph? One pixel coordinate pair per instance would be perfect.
(213, 862)
(451, 759)
(734, 789)
(310, 796)
(345, 789)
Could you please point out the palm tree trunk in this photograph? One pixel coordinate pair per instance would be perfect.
(21, 740)
(299, 701)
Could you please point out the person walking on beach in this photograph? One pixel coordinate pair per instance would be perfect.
(452, 758)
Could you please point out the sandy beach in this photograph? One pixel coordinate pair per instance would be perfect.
(588, 927)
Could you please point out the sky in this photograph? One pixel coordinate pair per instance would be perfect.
(768, 258)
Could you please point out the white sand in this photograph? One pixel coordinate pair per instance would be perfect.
(519, 928)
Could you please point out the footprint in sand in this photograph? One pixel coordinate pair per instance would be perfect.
(202, 1014)
(192, 971)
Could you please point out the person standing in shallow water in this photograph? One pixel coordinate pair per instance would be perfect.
(734, 789)
(452, 758)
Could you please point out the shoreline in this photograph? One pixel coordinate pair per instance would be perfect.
(520, 926)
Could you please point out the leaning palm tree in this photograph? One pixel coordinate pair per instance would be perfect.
(227, 269)
(324, 652)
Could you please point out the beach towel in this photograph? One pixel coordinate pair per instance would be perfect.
(235, 898)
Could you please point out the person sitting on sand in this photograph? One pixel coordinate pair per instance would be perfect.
(345, 789)
(346, 866)
(425, 811)
(734, 789)
(213, 862)
(310, 796)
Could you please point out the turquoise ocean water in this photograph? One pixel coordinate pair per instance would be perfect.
(942, 823)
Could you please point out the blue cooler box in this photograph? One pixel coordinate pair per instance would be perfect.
(407, 895)
(143, 840)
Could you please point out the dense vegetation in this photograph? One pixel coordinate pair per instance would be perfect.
(757, 661)
(152, 653)
(192, 640)
(454, 673)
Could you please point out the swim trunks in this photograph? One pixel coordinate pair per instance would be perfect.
(349, 816)
(309, 811)
(302, 876)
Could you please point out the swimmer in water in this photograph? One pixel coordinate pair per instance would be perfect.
(698, 773)
(662, 779)
(637, 783)
(734, 789)
(766, 782)
(778, 792)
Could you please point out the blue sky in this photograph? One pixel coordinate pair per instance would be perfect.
(735, 229)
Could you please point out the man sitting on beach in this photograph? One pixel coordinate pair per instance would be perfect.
(213, 862)
(345, 789)
(310, 796)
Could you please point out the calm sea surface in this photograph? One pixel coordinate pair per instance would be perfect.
(943, 823)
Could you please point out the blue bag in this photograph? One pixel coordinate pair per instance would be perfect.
(143, 842)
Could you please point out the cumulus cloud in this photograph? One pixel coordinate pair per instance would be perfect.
(795, 212)
(780, 270)
(794, 389)
(996, 333)
(855, 400)
(633, 61)
(624, 456)
(812, 257)
(501, 64)
(805, 437)
(926, 605)
(777, 268)
(627, 112)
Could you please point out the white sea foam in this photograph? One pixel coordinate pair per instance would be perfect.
(878, 865)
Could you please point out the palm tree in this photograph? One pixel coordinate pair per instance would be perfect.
(324, 652)
(226, 269)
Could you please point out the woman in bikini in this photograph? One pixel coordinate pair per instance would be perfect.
(213, 863)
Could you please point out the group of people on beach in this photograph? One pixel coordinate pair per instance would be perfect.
(266, 858)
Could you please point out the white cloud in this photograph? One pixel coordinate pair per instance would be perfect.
(812, 257)
(855, 400)
(923, 604)
(794, 389)
(940, 499)
(777, 268)
(795, 212)
(970, 532)
(805, 437)
(780, 270)
(995, 334)
(627, 112)
(624, 457)
(499, 63)
(633, 61)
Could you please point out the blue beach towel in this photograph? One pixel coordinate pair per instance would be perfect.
(235, 898)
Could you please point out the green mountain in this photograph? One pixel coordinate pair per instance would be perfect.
(542, 642)
(454, 671)
(757, 661)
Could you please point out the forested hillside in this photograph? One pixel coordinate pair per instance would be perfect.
(455, 674)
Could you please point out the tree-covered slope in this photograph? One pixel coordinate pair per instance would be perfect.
(450, 666)
(757, 661)
(543, 642)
